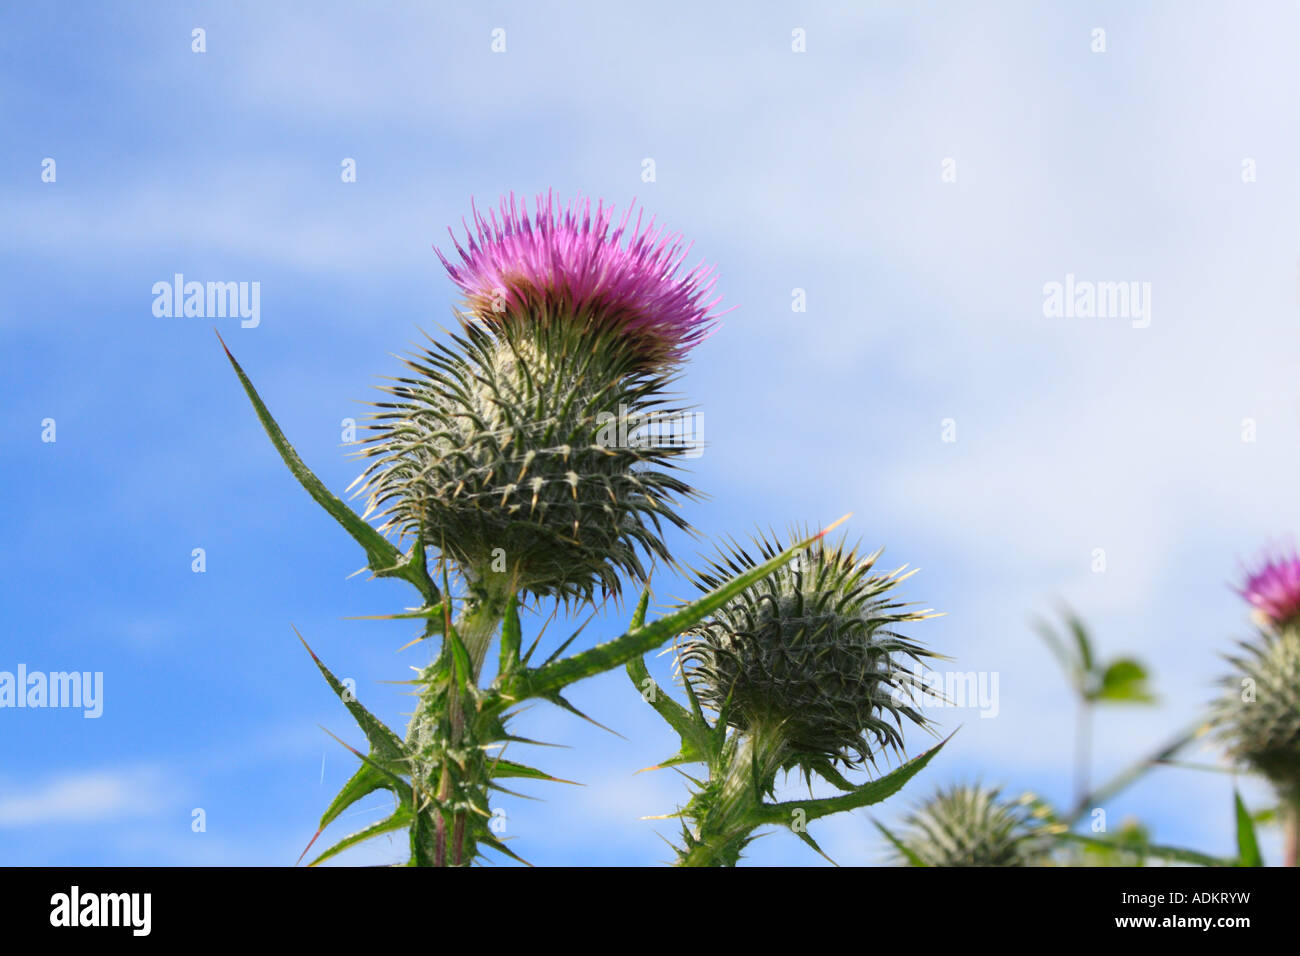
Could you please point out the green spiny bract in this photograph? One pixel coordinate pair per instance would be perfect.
(809, 650)
(516, 452)
(1259, 715)
(969, 826)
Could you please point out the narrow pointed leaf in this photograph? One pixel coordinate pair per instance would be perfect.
(508, 768)
(361, 784)
(382, 558)
(694, 733)
(511, 638)
(385, 744)
(907, 852)
(869, 793)
(400, 819)
(1170, 853)
(636, 642)
(807, 838)
(560, 701)
(1247, 846)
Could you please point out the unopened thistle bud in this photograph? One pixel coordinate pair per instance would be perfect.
(1259, 715)
(969, 825)
(809, 654)
(510, 451)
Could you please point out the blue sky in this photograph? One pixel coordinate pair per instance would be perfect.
(819, 171)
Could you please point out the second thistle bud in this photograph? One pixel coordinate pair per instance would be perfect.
(809, 654)
(969, 825)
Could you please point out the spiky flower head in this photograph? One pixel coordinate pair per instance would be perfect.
(810, 652)
(969, 825)
(1258, 716)
(516, 453)
(567, 265)
(1273, 588)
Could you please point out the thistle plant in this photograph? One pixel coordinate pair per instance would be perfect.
(505, 460)
(805, 673)
(971, 825)
(1259, 714)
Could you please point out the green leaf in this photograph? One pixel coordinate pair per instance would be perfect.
(400, 819)
(1267, 816)
(1170, 853)
(511, 638)
(394, 780)
(869, 793)
(460, 660)
(634, 643)
(364, 782)
(807, 838)
(382, 558)
(1247, 845)
(559, 700)
(1125, 681)
(1081, 641)
(1053, 642)
(508, 768)
(694, 733)
(638, 616)
(385, 744)
(902, 848)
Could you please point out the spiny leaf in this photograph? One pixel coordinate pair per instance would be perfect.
(364, 782)
(400, 818)
(395, 783)
(694, 732)
(508, 768)
(383, 741)
(900, 846)
(382, 558)
(460, 656)
(871, 792)
(560, 701)
(638, 615)
(1173, 854)
(511, 638)
(636, 642)
(807, 838)
(1247, 846)
(435, 613)
(500, 847)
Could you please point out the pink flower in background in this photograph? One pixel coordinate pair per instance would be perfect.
(569, 264)
(1274, 588)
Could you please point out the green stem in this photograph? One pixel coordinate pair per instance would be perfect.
(1291, 847)
(1082, 751)
(476, 626)
(1131, 774)
(730, 813)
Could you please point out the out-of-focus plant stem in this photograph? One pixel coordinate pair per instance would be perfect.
(1291, 846)
(1134, 772)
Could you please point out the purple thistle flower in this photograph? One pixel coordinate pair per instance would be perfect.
(567, 263)
(1273, 589)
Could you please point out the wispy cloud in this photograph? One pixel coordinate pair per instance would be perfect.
(85, 797)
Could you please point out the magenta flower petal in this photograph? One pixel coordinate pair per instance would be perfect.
(568, 263)
(1274, 588)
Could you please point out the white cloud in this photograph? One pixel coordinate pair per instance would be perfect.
(85, 797)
